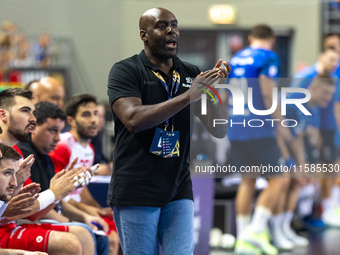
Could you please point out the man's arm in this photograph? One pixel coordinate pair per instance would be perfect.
(337, 113)
(296, 147)
(137, 117)
(266, 87)
(87, 198)
(77, 214)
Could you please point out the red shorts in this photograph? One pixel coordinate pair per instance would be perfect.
(30, 237)
(111, 223)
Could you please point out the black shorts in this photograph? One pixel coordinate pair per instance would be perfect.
(328, 151)
(260, 153)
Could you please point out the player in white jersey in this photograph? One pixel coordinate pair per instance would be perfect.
(82, 116)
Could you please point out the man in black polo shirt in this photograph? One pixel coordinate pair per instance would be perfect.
(150, 94)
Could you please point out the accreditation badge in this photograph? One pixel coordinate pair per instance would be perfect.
(156, 145)
(170, 144)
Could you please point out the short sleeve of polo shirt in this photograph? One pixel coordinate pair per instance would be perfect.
(271, 67)
(124, 80)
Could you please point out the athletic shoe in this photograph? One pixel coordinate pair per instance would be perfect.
(331, 218)
(259, 240)
(293, 237)
(311, 223)
(282, 243)
(244, 248)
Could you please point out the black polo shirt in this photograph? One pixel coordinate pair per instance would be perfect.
(141, 178)
(42, 169)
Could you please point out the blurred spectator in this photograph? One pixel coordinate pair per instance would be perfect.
(48, 89)
(22, 52)
(42, 50)
(7, 32)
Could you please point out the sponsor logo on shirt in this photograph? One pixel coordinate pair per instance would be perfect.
(242, 61)
(39, 239)
(272, 71)
(239, 71)
(188, 83)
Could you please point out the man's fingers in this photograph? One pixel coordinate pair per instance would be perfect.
(104, 225)
(211, 73)
(30, 163)
(225, 71)
(72, 164)
(26, 160)
(59, 174)
(218, 64)
(27, 188)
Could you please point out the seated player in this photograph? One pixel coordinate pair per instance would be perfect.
(7, 183)
(322, 90)
(327, 63)
(82, 116)
(34, 237)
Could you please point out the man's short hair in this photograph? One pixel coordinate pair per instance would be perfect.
(330, 35)
(44, 110)
(7, 97)
(8, 152)
(74, 102)
(262, 31)
(325, 79)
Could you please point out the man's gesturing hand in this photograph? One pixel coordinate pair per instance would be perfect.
(62, 184)
(25, 169)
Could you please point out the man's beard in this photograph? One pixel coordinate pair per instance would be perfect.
(18, 134)
(5, 198)
(159, 50)
(82, 132)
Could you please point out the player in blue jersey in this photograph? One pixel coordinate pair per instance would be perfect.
(256, 67)
(322, 90)
(327, 63)
(332, 41)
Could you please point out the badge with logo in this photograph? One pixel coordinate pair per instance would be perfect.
(170, 144)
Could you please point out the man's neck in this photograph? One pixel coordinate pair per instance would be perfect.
(83, 142)
(7, 138)
(165, 64)
(262, 44)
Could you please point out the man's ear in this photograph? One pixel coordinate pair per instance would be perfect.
(3, 115)
(70, 121)
(143, 35)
